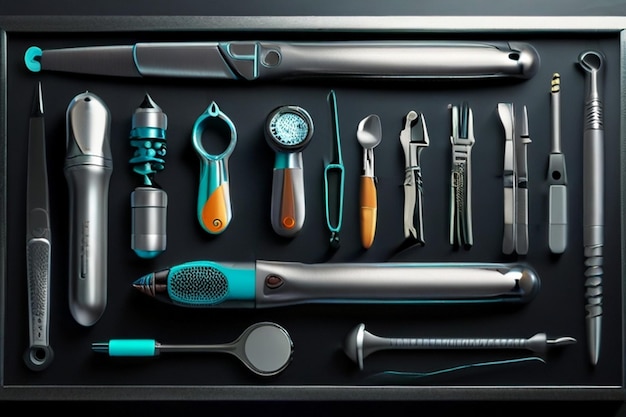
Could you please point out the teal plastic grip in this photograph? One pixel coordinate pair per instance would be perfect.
(32, 58)
(132, 347)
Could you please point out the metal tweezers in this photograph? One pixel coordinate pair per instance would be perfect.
(413, 138)
(515, 238)
(462, 140)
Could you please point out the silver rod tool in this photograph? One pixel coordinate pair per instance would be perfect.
(557, 176)
(521, 204)
(39, 354)
(413, 138)
(360, 343)
(592, 63)
(507, 117)
(250, 60)
(462, 140)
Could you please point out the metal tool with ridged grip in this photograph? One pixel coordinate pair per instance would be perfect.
(360, 343)
(592, 63)
(39, 354)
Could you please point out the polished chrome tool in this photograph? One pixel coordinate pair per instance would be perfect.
(265, 348)
(592, 63)
(274, 283)
(521, 194)
(149, 201)
(250, 60)
(334, 177)
(360, 343)
(88, 169)
(462, 140)
(369, 134)
(39, 354)
(557, 176)
(413, 138)
(507, 117)
(214, 205)
(288, 130)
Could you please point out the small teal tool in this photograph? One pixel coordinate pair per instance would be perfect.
(214, 205)
(334, 179)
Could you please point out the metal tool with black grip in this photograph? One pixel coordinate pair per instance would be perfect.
(39, 354)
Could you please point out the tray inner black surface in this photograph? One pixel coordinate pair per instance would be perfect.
(318, 330)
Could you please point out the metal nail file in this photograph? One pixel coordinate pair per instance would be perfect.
(251, 60)
(521, 205)
(39, 354)
(462, 140)
(557, 176)
(507, 117)
(592, 63)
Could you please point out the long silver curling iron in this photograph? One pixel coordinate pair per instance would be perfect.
(273, 283)
(251, 60)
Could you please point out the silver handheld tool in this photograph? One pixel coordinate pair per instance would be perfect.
(250, 60)
(557, 176)
(39, 354)
(88, 168)
(264, 284)
(360, 343)
(413, 138)
(592, 63)
(462, 140)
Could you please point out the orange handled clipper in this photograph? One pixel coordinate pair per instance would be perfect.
(214, 205)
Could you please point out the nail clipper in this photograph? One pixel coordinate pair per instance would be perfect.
(462, 140)
(413, 138)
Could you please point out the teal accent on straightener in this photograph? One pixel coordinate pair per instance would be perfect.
(281, 161)
(132, 347)
(32, 58)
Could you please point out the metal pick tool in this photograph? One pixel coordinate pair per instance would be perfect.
(360, 343)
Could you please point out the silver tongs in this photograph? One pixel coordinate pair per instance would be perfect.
(251, 60)
(462, 140)
(413, 138)
(515, 238)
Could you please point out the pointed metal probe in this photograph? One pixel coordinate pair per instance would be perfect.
(360, 343)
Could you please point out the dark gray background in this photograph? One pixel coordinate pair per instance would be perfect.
(126, 95)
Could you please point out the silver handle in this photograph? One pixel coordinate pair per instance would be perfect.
(285, 283)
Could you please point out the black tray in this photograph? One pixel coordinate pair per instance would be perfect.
(320, 370)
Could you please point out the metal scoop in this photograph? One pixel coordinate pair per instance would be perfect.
(369, 134)
(265, 348)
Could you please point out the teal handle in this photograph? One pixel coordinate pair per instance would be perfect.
(132, 347)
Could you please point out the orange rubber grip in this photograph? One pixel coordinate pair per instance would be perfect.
(369, 208)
